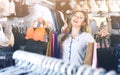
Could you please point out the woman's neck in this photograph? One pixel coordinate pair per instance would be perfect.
(75, 32)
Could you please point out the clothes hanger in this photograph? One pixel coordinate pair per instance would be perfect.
(52, 67)
(81, 69)
(64, 67)
(72, 69)
(112, 72)
(99, 71)
(58, 65)
(37, 63)
(89, 71)
(47, 66)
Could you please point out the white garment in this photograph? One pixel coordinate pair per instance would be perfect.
(94, 6)
(4, 5)
(9, 34)
(86, 6)
(103, 6)
(99, 20)
(11, 7)
(38, 11)
(3, 39)
(113, 6)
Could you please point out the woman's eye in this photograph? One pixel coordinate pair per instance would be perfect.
(79, 17)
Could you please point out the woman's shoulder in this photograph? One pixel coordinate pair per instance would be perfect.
(88, 36)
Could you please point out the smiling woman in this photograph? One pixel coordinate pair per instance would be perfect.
(74, 42)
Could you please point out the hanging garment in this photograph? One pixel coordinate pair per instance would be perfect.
(94, 6)
(19, 38)
(29, 33)
(115, 40)
(4, 7)
(89, 54)
(77, 7)
(59, 20)
(115, 43)
(115, 22)
(53, 43)
(12, 7)
(3, 38)
(56, 46)
(86, 6)
(49, 45)
(38, 47)
(21, 9)
(103, 6)
(105, 55)
(37, 34)
(6, 57)
(36, 40)
(118, 3)
(94, 60)
(94, 28)
(9, 34)
(113, 6)
(37, 11)
(98, 23)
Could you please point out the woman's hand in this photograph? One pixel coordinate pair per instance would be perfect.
(63, 29)
(103, 33)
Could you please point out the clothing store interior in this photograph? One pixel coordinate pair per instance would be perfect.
(59, 37)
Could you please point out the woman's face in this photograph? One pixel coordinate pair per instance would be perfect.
(78, 19)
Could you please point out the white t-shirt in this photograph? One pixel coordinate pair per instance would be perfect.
(73, 50)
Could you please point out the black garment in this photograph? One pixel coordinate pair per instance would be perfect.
(19, 38)
(115, 40)
(106, 59)
(105, 54)
(36, 46)
(58, 22)
(6, 57)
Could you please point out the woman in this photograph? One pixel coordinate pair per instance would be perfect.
(74, 42)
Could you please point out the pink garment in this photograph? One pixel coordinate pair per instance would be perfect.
(94, 61)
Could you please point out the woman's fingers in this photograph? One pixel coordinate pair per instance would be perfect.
(104, 33)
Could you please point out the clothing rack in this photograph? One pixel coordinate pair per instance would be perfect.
(27, 63)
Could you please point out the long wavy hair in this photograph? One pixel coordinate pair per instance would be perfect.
(84, 28)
